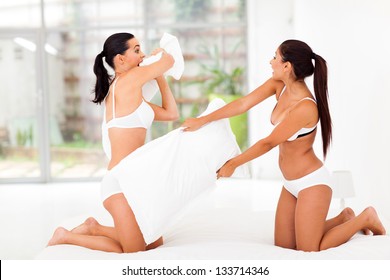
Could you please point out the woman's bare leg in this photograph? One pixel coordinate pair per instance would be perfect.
(345, 215)
(127, 230)
(342, 233)
(89, 227)
(286, 208)
(130, 238)
(310, 216)
(102, 243)
(92, 227)
(155, 244)
(284, 234)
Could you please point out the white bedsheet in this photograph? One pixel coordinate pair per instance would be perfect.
(226, 226)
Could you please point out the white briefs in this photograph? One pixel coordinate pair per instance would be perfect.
(321, 176)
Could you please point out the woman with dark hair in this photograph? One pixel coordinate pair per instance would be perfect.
(127, 116)
(122, 52)
(300, 221)
(146, 187)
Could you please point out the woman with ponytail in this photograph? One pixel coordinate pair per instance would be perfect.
(147, 185)
(300, 221)
(127, 116)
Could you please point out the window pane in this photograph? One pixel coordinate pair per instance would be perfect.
(19, 137)
(20, 13)
(195, 11)
(87, 13)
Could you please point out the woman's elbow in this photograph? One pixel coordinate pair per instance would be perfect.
(174, 117)
(269, 144)
(170, 61)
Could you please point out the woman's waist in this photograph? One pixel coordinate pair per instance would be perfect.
(119, 152)
(297, 167)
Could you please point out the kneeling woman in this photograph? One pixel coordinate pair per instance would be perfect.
(147, 186)
(306, 195)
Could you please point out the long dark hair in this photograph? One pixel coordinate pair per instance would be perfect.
(115, 44)
(300, 55)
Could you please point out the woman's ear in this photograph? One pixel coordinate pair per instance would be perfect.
(118, 59)
(287, 66)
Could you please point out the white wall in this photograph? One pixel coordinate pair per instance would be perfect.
(352, 37)
(269, 23)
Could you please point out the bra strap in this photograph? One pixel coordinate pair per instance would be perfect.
(308, 98)
(281, 93)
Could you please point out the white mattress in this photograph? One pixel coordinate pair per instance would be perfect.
(226, 226)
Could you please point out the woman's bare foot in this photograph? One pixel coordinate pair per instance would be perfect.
(86, 228)
(348, 214)
(373, 222)
(59, 237)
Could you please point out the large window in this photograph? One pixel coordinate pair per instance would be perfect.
(49, 122)
(19, 118)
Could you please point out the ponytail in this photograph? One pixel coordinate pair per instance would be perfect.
(103, 80)
(321, 93)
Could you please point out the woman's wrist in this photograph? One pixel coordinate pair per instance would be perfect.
(233, 163)
(204, 120)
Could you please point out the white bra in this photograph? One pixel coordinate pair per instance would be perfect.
(142, 117)
(304, 130)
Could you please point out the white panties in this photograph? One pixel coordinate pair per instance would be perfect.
(321, 176)
(109, 186)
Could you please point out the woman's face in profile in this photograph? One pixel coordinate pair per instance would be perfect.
(133, 55)
(277, 65)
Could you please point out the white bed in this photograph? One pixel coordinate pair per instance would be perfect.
(234, 222)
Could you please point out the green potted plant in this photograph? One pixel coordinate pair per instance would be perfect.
(221, 82)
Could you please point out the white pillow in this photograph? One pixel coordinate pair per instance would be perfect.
(171, 45)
